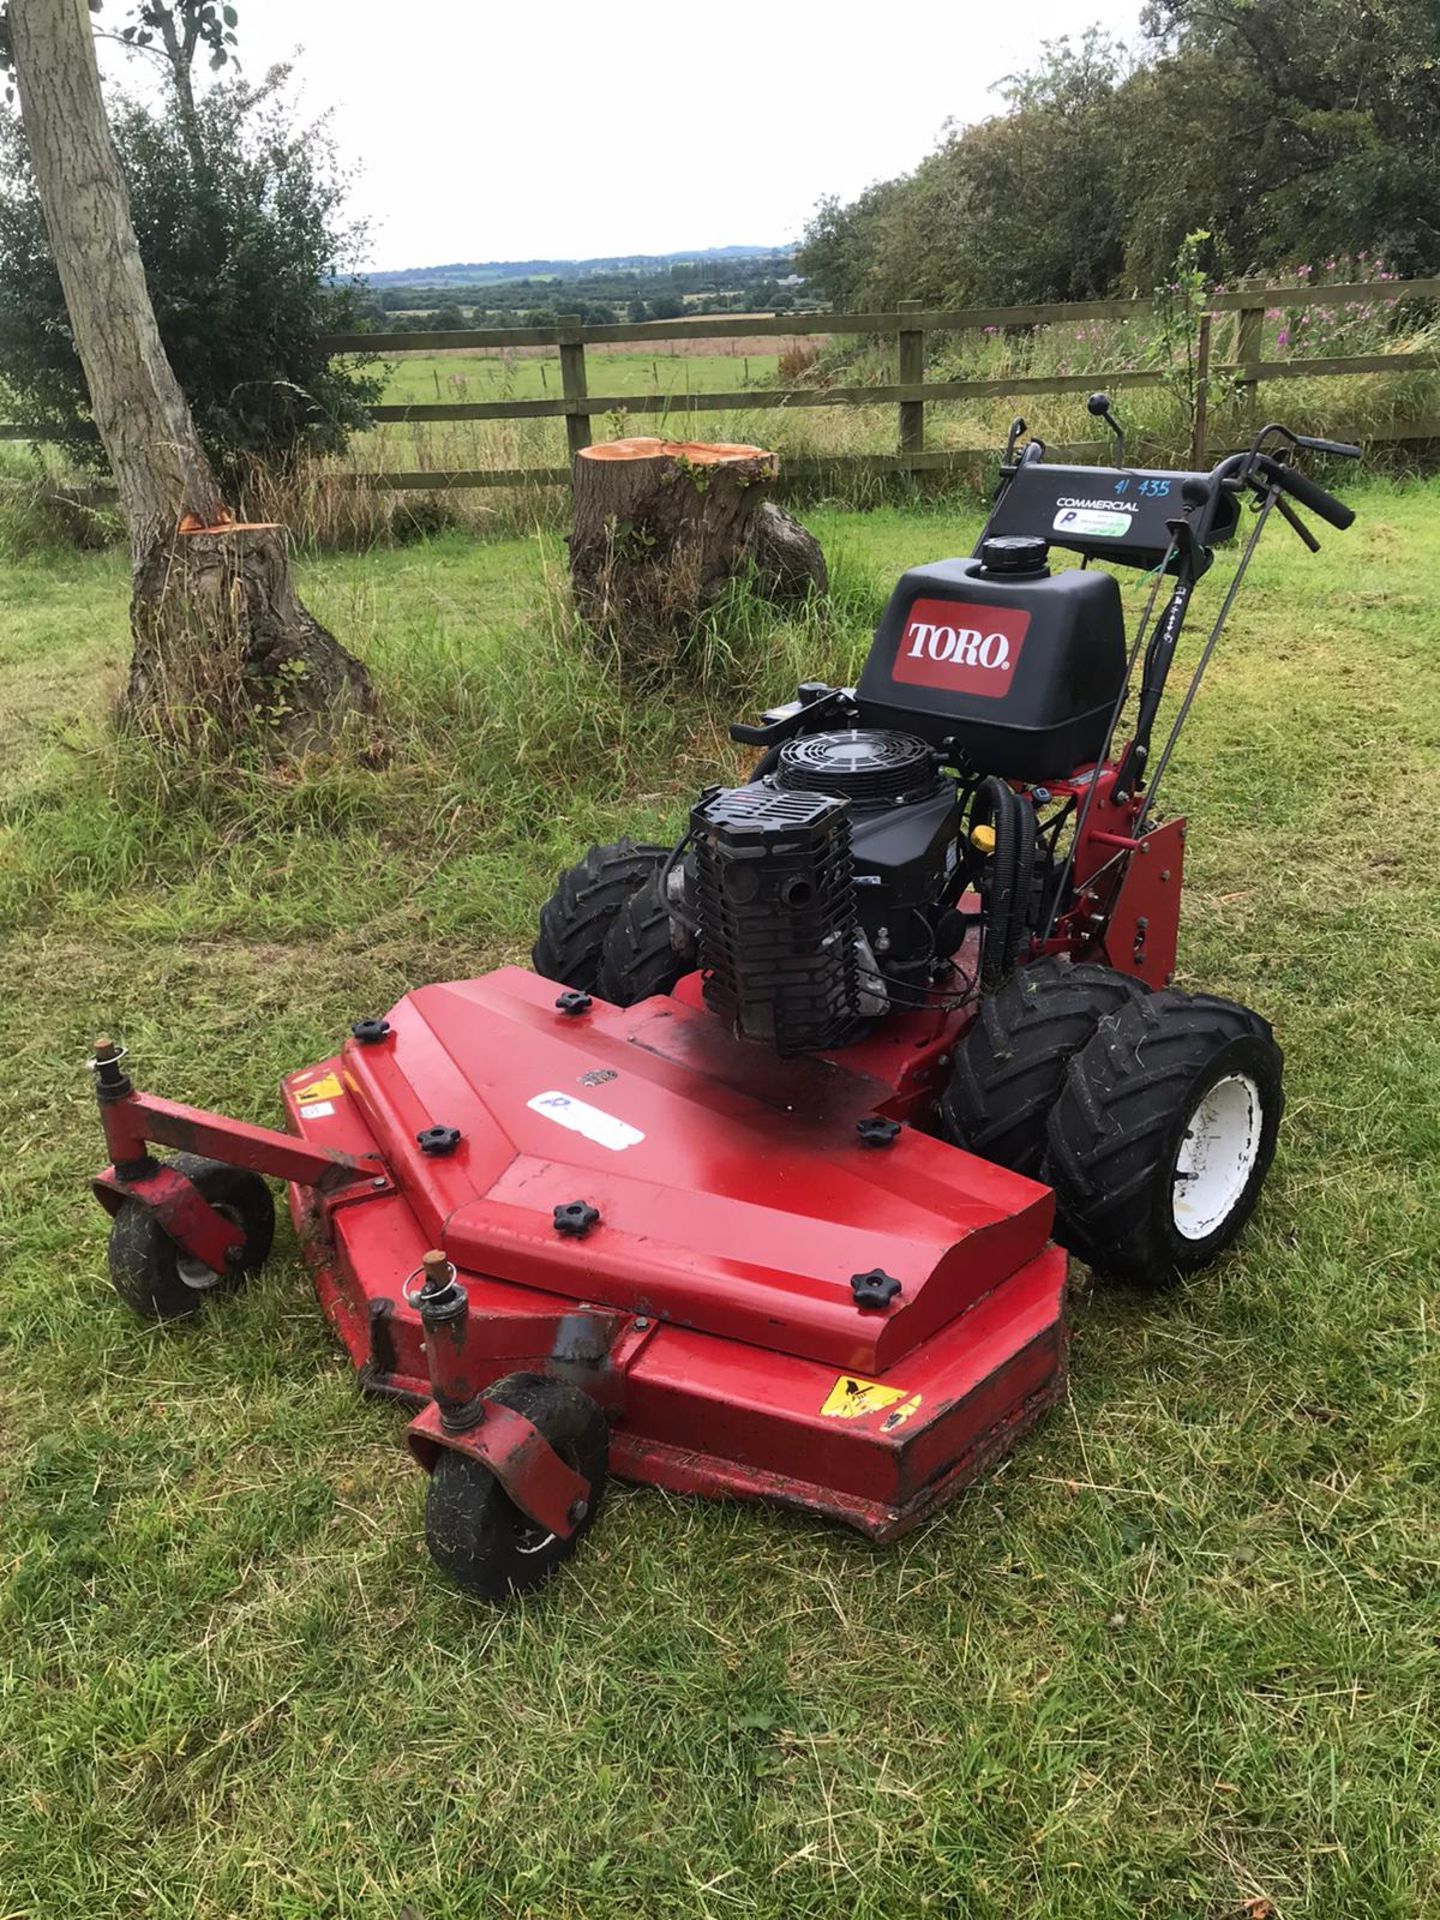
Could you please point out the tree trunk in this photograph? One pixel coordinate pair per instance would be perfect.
(260, 649)
(660, 527)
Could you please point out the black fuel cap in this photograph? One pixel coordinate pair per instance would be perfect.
(1015, 553)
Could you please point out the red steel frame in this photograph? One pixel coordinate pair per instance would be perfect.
(709, 1326)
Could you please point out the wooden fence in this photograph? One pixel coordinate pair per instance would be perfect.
(1241, 311)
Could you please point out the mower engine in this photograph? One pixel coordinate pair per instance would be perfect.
(816, 891)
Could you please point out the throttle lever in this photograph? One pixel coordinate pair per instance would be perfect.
(1292, 519)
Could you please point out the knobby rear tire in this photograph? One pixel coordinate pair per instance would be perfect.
(587, 899)
(639, 957)
(1010, 1065)
(1163, 1133)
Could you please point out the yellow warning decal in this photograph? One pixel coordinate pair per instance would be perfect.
(327, 1087)
(852, 1399)
(897, 1416)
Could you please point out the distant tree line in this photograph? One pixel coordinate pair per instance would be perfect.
(601, 298)
(1293, 131)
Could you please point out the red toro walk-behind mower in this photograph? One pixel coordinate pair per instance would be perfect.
(748, 1188)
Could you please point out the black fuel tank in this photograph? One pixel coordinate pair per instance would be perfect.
(1020, 666)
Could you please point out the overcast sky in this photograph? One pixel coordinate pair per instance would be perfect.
(573, 128)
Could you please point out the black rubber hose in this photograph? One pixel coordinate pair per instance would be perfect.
(1012, 877)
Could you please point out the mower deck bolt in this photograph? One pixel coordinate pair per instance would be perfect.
(641, 1323)
(574, 1003)
(438, 1141)
(875, 1288)
(578, 1511)
(576, 1218)
(367, 1032)
(875, 1131)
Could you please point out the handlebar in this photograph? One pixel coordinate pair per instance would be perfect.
(1307, 491)
(1340, 449)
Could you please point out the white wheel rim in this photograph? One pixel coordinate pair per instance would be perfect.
(1217, 1156)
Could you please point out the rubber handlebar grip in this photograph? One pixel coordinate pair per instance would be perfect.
(1342, 449)
(1312, 495)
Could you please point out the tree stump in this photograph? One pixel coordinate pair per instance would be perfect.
(661, 526)
(222, 640)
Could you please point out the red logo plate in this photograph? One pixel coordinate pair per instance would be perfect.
(964, 649)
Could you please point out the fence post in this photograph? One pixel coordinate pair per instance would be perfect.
(572, 380)
(1249, 337)
(910, 372)
(1202, 395)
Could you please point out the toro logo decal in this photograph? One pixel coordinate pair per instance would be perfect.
(964, 649)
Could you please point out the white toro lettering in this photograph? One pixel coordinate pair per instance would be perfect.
(967, 646)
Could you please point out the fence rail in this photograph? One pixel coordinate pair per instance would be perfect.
(909, 325)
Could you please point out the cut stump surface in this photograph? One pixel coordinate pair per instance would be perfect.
(661, 526)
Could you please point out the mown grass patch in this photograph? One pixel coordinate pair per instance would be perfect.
(1177, 1655)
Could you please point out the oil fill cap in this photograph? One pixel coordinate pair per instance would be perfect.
(1015, 553)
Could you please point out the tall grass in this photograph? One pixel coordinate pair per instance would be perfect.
(479, 715)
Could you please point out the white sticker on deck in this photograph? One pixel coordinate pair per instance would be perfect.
(580, 1117)
(318, 1110)
(1091, 522)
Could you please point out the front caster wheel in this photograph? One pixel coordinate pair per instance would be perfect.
(476, 1534)
(1163, 1133)
(160, 1280)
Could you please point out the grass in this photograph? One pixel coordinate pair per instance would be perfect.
(1178, 1655)
(422, 379)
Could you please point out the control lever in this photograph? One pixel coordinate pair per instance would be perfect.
(797, 715)
(1017, 427)
(1099, 405)
(1292, 519)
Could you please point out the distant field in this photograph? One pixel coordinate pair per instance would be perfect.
(528, 374)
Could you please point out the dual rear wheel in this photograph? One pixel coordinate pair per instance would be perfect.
(606, 928)
(1153, 1116)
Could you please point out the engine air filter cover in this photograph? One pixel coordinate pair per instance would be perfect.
(862, 764)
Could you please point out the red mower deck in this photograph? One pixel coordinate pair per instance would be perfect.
(714, 1295)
